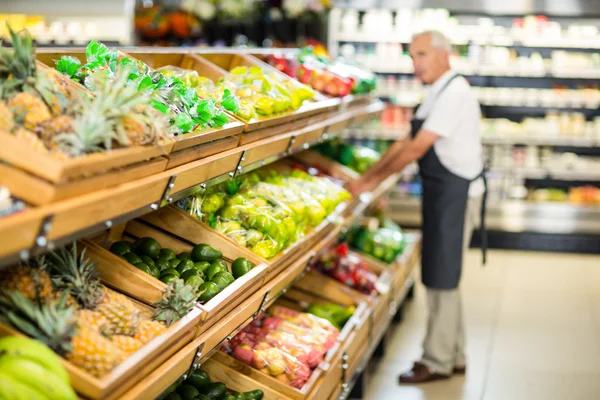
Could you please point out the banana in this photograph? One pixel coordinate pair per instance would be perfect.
(14, 390)
(36, 378)
(35, 351)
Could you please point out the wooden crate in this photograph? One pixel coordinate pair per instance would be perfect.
(319, 104)
(354, 337)
(201, 151)
(185, 61)
(22, 228)
(39, 191)
(118, 273)
(327, 165)
(137, 366)
(199, 349)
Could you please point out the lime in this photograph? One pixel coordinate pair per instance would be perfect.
(194, 280)
(184, 265)
(147, 246)
(120, 248)
(167, 253)
(186, 274)
(186, 255)
(132, 258)
(144, 268)
(162, 264)
(240, 267)
(170, 271)
(174, 262)
(147, 260)
(168, 278)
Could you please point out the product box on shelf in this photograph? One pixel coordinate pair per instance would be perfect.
(40, 178)
(185, 147)
(136, 366)
(121, 274)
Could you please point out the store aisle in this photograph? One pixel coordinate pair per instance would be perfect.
(533, 326)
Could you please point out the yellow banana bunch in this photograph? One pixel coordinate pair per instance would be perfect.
(31, 371)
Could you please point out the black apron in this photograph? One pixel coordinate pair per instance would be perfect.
(444, 207)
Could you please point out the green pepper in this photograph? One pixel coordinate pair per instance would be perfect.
(208, 290)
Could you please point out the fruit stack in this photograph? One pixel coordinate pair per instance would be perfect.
(384, 243)
(59, 301)
(264, 91)
(348, 268)
(172, 98)
(30, 370)
(267, 211)
(285, 344)
(203, 267)
(334, 78)
(355, 157)
(334, 313)
(198, 386)
(45, 111)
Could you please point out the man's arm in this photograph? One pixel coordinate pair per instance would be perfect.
(398, 156)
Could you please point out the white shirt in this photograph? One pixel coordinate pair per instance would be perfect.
(455, 116)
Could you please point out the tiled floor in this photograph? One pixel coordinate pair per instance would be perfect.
(533, 332)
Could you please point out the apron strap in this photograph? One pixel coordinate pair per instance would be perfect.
(483, 228)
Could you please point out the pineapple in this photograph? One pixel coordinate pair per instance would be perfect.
(31, 139)
(94, 353)
(91, 319)
(54, 127)
(122, 315)
(33, 283)
(178, 299)
(30, 109)
(127, 344)
(7, 123)
(149, 329)
(74, 272)
(53, 324)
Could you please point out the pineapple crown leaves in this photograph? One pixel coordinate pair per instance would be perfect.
(52, 323)
(178, 299)
(74, 272)
(17, 65)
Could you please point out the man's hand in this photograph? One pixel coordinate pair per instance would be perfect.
(356, 187)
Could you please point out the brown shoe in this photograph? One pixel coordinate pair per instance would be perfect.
(420, 374)
(460, 370)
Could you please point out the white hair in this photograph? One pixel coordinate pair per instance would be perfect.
(438, 39)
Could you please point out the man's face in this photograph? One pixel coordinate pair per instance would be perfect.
(429, 62)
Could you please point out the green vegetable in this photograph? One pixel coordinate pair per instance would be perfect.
(148, 261)
(162, 264)
(121, 248)
(254, 395)
(187, 274)
(223, 279)
(337, 315)
(147, 246)
(208, 290)
(167, 253)
(240, 267)
(204, 252)
(132, 258)
(198, 379)
(214, 269)
(201, 267)
(143, 267)
(214, 390)
(186, 255)
(187, 392)
(173, 396)
(174, 262)
(185, 265)
(170, 271)
(168, 278)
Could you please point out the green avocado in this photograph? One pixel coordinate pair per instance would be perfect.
(168, 278)
(144, 267)
(162, 264)
(198, 379)
(147, 246)
(240, 267)
(186, 255)
(214, 390)
(147, 260)
(167, 253)
(170, 271)
(185, 265)
(204, 252)
(120, 248)
(214, 269)
(201, 266)
(223, 279)
(208, 290)
(254, 395)
(132, 258)
(187, 392)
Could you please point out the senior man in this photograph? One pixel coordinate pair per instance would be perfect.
(446, 142)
